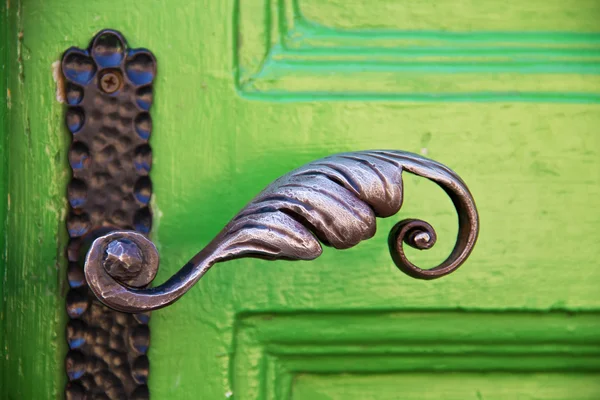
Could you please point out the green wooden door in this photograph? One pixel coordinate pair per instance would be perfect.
(505, 94)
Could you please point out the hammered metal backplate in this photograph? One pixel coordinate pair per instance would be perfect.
(108, 92)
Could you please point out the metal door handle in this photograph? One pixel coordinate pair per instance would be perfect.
(334, 200)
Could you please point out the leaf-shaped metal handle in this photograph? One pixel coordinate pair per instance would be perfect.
(334, 200)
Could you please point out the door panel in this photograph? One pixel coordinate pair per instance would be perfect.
(413, 354)
(415, 51)
(456, 386)
(248, 90)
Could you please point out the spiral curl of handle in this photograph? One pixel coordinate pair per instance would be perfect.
(417, 234)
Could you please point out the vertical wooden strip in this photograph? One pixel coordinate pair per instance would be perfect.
(34, 181)
(4, 94)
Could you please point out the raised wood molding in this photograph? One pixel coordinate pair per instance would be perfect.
(272, 351)
(281, 54)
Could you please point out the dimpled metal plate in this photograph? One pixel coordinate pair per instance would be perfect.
(108, 90)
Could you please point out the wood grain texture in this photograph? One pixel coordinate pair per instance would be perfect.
(36, 176)
(533, 168)
(4, 94)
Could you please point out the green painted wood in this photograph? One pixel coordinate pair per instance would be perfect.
(3, 141)
(295, 354)
(430, 53)
(242, 98)
(455, 386)
(36, 175)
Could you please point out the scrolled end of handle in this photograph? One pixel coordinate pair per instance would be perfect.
(120, 262)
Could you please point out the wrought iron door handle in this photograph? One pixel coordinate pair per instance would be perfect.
(334, 200)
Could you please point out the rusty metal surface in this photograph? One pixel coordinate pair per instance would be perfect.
(334, 200)
(109, 92)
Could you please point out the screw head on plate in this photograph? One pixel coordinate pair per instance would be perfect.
(110, 82)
